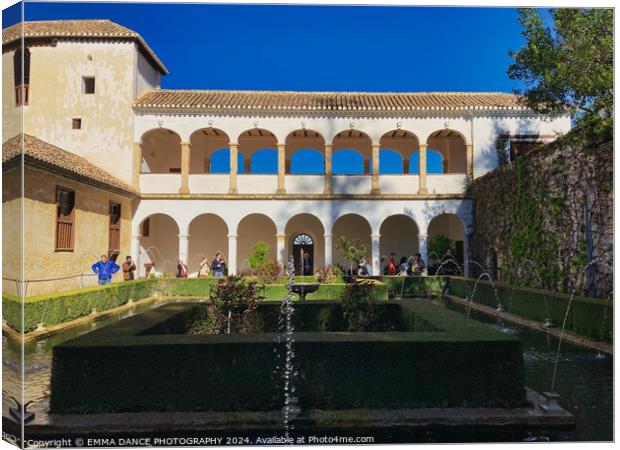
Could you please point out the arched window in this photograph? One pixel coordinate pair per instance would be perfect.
(303, 239)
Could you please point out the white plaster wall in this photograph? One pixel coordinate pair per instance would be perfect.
(257, 184)
(280, 211)
(446, 183)
(487, 129)
(160, 183)
(147, 77)
(399, 184)
(482, 134)
(305, 184)
(209, 183)
(327, 127)
(56, 97)
(351, 184)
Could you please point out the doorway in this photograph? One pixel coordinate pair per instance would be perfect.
(302, 244)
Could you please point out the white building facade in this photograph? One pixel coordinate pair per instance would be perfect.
(193, 156)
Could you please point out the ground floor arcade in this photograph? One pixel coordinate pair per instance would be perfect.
(167, 230)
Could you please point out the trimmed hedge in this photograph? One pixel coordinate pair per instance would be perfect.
(587, 316)
(53, 309)
(408, 287)
(120, 369)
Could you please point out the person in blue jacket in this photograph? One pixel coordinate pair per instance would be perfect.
(105, 268)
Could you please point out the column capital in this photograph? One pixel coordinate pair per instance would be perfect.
(280, 146)
(422, 236)
(377, 146)
(328, 235)
(233, 236)
(330, 146)
(186, 143)
(423, 146)
(375, 236)
(280, 235)
(232, 144)
(184, 236)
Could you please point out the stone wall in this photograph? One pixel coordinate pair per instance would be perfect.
(553, 207)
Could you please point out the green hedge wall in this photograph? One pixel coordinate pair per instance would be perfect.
(407, 287)
(119, 369)
(53, 309)
(587, 316)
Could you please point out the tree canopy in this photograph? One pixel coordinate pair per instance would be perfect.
(568, 67)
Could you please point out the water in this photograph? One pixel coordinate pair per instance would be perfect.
(584, 378)
(584, 382)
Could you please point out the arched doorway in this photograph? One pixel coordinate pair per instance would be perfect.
(446, 232)
(159, 245)
(303, 244)
(208, 234)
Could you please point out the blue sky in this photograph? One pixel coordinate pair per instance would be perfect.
(317, 48)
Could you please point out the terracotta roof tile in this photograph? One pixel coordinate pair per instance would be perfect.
(212, 100)
(74, 29)
(45, 154)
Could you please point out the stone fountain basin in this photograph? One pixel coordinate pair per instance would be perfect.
(437, 358)
(302, 289)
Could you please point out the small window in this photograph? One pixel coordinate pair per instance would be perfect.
(76, 123)
(114, 239)
(22, 80)
(88, 85)
(65, 218)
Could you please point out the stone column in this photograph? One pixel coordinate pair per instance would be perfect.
(233, 168)
(232, 254)
(184, 248)
(328, 190)
(423, 248)
(376, 254)
(470, 161)
(281, 250)
(135, 252)
(328, 249)
(375, 189)
(281, 173)
(185, 152)
(137, 165)
(422, 189)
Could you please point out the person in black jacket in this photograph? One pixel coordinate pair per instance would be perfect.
(218, 266)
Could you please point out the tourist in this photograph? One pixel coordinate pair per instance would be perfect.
(129, 267)
(392, 265)
(382, 265)
(307, 264)
(418, 265)
(362, 268)
(218, 266)
(105, 268)
(403, 267)
(182, 269)
(205, 268)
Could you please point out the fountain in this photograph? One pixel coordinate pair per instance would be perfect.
(287, 309)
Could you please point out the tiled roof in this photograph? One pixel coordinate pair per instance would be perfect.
(75, 29)
(46, 155)
(323, 101)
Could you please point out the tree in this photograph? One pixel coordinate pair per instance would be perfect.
(440, 245)
(258, 256)
(568, 67)
(353, 251)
